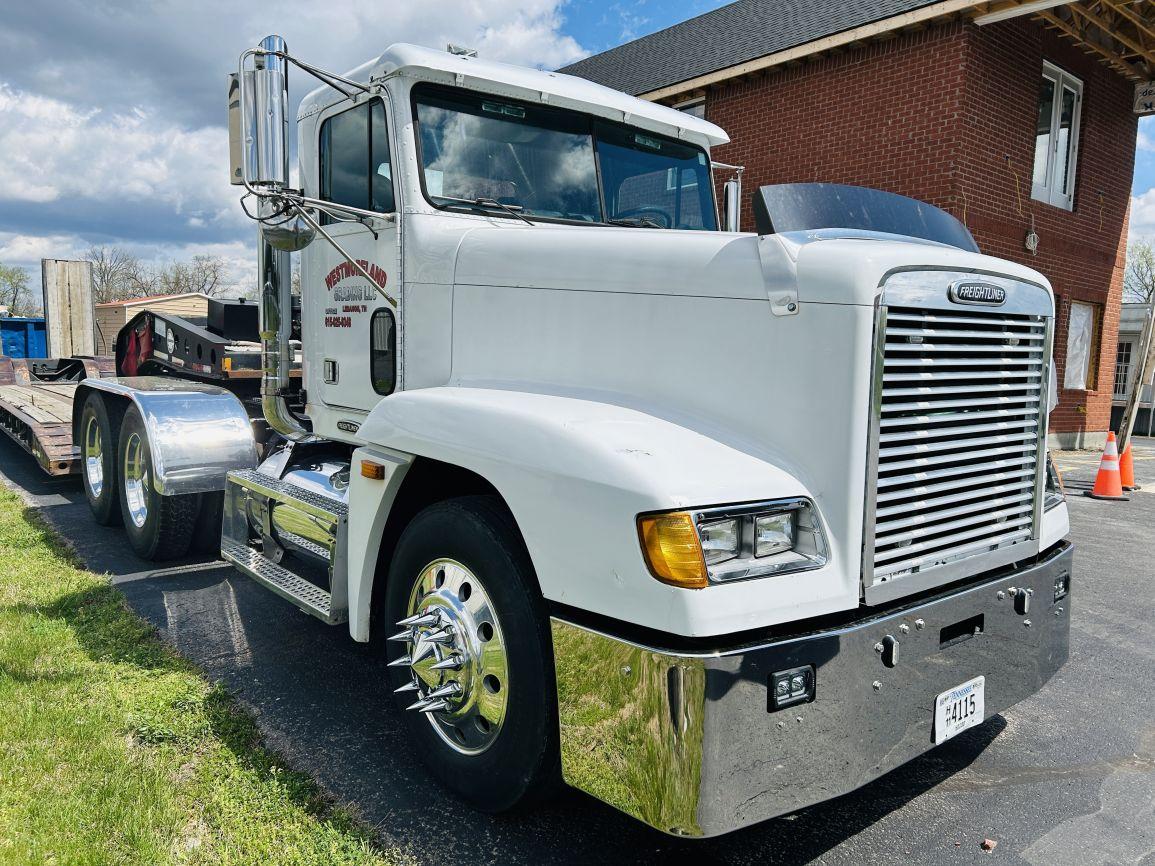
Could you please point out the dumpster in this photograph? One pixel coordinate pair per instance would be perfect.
(23, 338)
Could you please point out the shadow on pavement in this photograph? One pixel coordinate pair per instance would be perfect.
(321, 700)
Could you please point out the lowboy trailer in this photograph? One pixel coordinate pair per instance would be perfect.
(37, 395)
(711, 524)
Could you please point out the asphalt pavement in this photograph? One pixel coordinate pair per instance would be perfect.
(1066, 777)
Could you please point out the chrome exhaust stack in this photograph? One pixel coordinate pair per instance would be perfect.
(259, 151)
(259, 129)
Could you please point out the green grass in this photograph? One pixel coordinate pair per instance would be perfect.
(115, 750)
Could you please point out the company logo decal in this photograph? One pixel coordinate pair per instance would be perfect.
(983, 294)
(348, 426)
(354, 297)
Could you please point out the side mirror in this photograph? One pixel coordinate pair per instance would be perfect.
(258, 120)
(732, 204)
(291, 236)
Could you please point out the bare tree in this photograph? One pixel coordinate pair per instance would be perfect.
(116, 274)
(1139, 277)
(14, 293)
(203, 274)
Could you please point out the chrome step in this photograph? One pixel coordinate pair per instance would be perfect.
(307, 500)
(307, 596)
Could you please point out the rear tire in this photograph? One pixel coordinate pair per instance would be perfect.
(158, 527)
(460, 555)
(98, 460)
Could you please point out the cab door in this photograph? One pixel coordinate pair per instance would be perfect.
(356, 360)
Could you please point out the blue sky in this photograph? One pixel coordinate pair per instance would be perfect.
(1145, 157)
(112, 114)
(598, 24)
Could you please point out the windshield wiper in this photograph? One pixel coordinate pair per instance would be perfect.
(511, 209)
(637, 222)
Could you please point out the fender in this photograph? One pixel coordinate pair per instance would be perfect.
(196, 432)
(576, 473)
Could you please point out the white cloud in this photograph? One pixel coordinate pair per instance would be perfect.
(28, 250)
(112, 122)
(54, 152)
(1146, 135)
(1143, 215)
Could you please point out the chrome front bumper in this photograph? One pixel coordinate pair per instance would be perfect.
(687, 744)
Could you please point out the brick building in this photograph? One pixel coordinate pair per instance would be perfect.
(1017, 117)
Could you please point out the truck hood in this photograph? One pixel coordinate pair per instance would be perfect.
(835, 267)
(821, 267)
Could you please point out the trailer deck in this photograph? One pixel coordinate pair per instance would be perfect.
(36, 407)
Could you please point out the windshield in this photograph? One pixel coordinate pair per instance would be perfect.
(544, 162)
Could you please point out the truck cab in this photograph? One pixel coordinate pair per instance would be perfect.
(635, 499)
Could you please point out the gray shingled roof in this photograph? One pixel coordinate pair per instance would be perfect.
(732, 34)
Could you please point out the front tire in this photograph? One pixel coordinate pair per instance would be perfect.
(473, 667)
(158, 527)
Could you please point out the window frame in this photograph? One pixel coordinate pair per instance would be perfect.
(590, 120)
(1045, 191)
(688, 104)
(383, 311)
(1094, 347)
(1126, 366)
(337, 110)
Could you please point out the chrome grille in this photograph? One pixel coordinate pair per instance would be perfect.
(959, 409)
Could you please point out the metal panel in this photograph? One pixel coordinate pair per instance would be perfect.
(685, 742)
(285, 513)
(196, 433)
(957, 434)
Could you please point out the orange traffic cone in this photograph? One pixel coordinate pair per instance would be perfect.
(1107, 483)
(1127, 470)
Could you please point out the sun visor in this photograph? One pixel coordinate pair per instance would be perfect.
(794, 207)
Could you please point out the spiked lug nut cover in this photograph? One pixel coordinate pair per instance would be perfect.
(456, 657)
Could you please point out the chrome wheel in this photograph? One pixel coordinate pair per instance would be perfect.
(456, 656)
(94, 457)
(136, 480)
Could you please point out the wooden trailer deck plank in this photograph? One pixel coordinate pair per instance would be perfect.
(38, 418)
(45, 406)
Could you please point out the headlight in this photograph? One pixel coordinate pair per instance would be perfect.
(773, 533)
(693, 549)
(720, 541)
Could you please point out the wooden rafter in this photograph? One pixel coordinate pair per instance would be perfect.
(1113, 30)
(1095, 34)
(1126, 10)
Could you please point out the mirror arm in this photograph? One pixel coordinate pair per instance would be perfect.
(316, 226)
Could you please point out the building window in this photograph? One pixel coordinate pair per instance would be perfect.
(1122, 368)
(1057, 137)
(354, 152)
(1082, 370)
(693, 107)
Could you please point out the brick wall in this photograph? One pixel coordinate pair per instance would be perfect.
(947, 115)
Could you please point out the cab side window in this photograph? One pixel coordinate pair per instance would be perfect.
(355, 167)
(383, 351)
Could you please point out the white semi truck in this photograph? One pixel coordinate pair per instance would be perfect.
(711, 524)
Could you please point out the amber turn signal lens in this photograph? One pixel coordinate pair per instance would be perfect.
(673, 553)
(372, 470)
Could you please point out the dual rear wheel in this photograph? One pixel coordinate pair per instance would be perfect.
(119, 484)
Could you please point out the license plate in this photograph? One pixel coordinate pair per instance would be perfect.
(958, 709)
